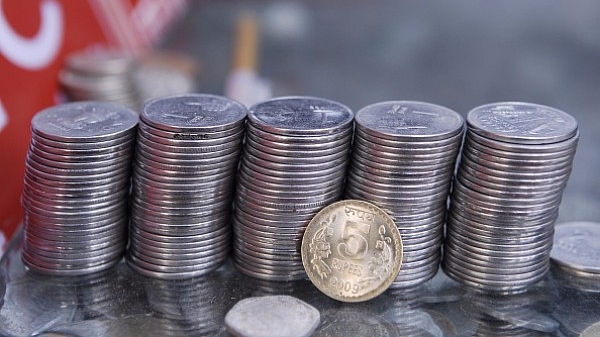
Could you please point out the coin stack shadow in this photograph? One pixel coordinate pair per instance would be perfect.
(403, 161)
(76, 187)
(104, 76)
(293, 164)
(515, 163)
(183, 182)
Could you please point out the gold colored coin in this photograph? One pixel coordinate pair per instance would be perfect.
(352, 250)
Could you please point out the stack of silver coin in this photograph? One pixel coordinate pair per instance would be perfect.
(403, 161)
(183, 182)
(75, 198)
(515, 163)
(103, 76)
(294, 164)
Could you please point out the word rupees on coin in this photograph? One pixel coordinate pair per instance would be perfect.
(352, 250)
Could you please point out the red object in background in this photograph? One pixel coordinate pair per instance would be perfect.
(35, 37)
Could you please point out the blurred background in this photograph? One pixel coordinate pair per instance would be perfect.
(459, 54)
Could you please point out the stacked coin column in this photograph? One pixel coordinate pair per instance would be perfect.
(294, 164)
(183, 182)
(516, 161)
(403, 161)
(75, 196)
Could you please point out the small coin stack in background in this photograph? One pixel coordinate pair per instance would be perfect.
(403, 161)
(162, 74)
(76, 187)
(126, 80)
(574, 255)
(294, 164)
(515, 163)
(183, 182)
(103, 76)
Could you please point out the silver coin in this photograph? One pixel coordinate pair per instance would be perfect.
(176, 265)
(506, 248)
(267, 274)
(125, 158)
(398, 198)
(526, 155)
(521, 166)
(423, 188)
(496, 231)
(247, 227)
(266, 140)
(290, 185)
(297, 158)
(261, 249)
(185, 152)
(116, 248)
(529, 187)
(551, 148)
(575, 246)
(65, 150)
(63, 173)
(564, 149)
(74, 232)
(402, 161)
(193, 112)
(92, 145)
(531, 202)
(267, 264)
(409, 119)
(400, 176)
(484, 174)
(174, 272)
(59, 176)
(67, 204)
(431, 150)
(524, 123)
(274, 265)
(251, 187)
(74, 157)
(285, 316)
(219, 241)
(506, 193)
(213, 178)
(477, 258)
(257, 172)
(405, 166)
(300, 115)
(276, 225)
(200, 184)
(289, 149)
(266, 247)
(492, 211)
(183, 258)
(296, 165)
(288, 214)
(149, 247)
(184, 143)
(179, 167)
(189, 136)
(295, 174)
(540, 252)
(84, 121)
